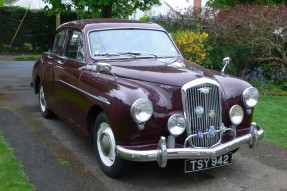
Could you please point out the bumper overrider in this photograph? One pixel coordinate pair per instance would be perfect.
(162, 153)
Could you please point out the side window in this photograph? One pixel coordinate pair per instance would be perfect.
(58, 42)
(75, 48)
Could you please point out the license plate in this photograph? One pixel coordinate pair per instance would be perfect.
(202, 164)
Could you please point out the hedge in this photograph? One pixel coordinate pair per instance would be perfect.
(35, 31)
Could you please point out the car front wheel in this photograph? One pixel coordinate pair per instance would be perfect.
(104, 145)
(45, 111)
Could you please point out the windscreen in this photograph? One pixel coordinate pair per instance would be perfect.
(125, 42)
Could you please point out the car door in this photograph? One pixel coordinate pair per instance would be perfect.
(67, 74)
(52, 58)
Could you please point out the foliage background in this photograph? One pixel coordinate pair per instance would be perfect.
(35, 31)
(191, 44)
(253, 36)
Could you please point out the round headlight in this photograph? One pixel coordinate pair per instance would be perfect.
(176, 124)
(236, 114)
(250, 96)
(142, 110)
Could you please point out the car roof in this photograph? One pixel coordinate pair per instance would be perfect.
(100, 24)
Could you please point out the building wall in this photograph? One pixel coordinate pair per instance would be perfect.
(34, 4)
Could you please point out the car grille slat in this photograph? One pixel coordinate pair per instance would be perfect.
(194, 96)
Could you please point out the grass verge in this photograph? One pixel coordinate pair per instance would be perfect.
(270, 114)
(12, 176)
(27, 57)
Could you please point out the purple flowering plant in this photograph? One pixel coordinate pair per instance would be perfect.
(268, 79)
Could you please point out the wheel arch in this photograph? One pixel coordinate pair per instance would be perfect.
(91, 117)
(37, 84)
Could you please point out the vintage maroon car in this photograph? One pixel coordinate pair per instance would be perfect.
(125, 86)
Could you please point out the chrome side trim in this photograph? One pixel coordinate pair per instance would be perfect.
(188, 153)
(99, 98)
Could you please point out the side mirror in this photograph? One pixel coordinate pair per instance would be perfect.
(100, 67)
(226, 61)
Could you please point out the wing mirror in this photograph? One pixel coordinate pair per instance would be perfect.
(100, 67)
(226, 61)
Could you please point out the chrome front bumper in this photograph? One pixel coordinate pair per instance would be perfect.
(162, 154)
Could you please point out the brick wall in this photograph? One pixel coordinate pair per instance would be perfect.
(197, 3)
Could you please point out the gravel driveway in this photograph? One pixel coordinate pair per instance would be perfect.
(55, 157)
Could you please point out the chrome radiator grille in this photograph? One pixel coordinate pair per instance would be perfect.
(202, 108)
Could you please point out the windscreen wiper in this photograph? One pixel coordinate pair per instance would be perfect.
(106, 54)
(130, 53)
(136, 53)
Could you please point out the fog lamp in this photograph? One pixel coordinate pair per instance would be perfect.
(236, 114)
(176, 124)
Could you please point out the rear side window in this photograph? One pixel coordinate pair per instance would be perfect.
(59, 42)
(74, 48)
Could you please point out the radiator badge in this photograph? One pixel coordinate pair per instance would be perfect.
(211, 131)
(199, 135)
(199, 111)
(211, 114)
(204, 90)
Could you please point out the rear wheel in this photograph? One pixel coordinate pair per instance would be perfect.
(45, 111)
(104, 145)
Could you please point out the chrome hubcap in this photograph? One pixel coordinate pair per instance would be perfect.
(106, 144)
(42, 99)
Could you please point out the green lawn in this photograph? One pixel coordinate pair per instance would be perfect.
(12, 176)
(271, 115)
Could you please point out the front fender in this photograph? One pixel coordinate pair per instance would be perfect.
(126, 130)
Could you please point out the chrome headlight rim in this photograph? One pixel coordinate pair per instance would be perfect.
(232, 110)
(134, 107)
(176, 130)
(246, 97)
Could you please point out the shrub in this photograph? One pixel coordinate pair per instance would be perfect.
(4, 47)
(249, 34)
(145, 18)
(260, 29)
(27, 47)
(191, 44)
(36, 28)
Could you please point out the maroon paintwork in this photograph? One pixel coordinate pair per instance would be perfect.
(137, 78)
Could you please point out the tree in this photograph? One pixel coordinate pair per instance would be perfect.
(256, 33)
(105, 8)
(1, 3)
(231, 3)
(8, 2)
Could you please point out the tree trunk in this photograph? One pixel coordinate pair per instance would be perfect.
(107, 11)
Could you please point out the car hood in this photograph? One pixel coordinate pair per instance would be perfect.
(174, 72)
